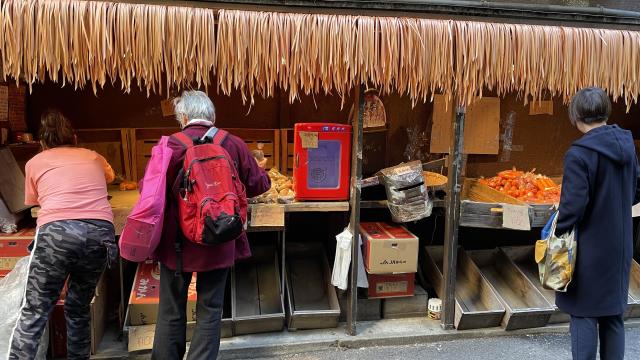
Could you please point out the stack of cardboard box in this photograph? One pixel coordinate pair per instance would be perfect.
(391, 259)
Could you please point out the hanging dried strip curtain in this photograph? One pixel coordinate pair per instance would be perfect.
(537, 61)
(92, 42)
(313, 53)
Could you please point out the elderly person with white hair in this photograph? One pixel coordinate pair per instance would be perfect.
(196, 114)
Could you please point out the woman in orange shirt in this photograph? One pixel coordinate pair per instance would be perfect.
(75, 237)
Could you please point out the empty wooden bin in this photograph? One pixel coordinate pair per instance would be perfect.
(312, 302)
(525, 306)
(634, 290)
(256, 293)
(523, 258)
(477, 305)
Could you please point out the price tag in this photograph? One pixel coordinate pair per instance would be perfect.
(309, 139)
(635, 210)
(267, 215)
(402, 170)
(515, 217)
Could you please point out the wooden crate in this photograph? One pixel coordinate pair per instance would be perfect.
(143, 139)
(481, 207)
(112, 144)
(286, 155)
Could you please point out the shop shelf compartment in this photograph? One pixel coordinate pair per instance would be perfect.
(312, 302)
(525, 306)
(477, 305)
(257, 298)
(523, 258)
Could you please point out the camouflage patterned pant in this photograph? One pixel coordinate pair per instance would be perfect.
(77, 249)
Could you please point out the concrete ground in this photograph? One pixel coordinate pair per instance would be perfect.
(529, 347)
(412, 339)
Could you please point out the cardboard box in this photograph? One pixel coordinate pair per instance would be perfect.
(145, 295)
(386, 286)
(405, 307)
(58, 323)
(11, 250)
(389, 249)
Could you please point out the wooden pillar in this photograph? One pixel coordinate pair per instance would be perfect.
(354, 220)
(456, 163)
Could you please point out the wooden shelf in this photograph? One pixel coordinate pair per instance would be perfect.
(328, 206)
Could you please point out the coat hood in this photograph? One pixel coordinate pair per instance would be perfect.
(610, 141)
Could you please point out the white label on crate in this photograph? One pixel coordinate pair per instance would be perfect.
(515, 217)
(392, 287)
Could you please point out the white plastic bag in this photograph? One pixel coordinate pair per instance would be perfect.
(12, 289)
(342, 262)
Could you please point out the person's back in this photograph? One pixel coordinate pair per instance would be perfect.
(74, 241)
(598, 190)
(196, 115)
(70, 184)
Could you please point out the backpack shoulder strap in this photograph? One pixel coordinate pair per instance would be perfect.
(184, 139)
(219, 137)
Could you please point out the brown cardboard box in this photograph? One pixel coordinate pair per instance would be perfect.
(99, 317)
(145, 295)
(389, 249)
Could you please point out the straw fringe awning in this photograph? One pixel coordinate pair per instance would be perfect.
(158, 47)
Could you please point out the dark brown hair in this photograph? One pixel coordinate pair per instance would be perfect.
(590, 105)
(56, 130)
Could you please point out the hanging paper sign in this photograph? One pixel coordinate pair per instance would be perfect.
(309, 139)
(515, 217)
(267, 215)
(167, 108)
(544, 107)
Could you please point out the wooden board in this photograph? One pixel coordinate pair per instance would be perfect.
(477, 305)
(481, 130)
(11, 182)
(525, 306)
(144, 139)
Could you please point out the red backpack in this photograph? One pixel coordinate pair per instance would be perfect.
(212, 205)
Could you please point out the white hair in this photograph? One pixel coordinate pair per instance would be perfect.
(194, 105)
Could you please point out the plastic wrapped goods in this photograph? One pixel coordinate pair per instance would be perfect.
(407, 195)
(12, 290)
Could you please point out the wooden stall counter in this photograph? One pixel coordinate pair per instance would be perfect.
(122, 203)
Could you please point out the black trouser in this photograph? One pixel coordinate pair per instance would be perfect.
(586, 331)
(78, 249)
(170, 338)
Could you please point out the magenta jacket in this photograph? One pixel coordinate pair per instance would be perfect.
(200, 258)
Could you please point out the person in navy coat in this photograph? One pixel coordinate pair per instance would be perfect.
(599, 187)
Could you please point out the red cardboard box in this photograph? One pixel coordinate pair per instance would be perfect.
(389, 249)
(386, 286)
(145, 295)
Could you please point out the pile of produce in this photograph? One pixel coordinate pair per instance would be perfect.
(525, 186)
(281, 190)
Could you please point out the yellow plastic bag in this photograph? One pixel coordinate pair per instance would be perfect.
(556, 256)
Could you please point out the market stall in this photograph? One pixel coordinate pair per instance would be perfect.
(480, 107)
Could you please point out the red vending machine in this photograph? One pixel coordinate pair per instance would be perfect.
(322, 160)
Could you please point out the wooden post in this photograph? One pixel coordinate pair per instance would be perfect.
(453, 217)
(354, 220)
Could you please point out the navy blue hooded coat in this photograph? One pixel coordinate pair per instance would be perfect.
(599, 188)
